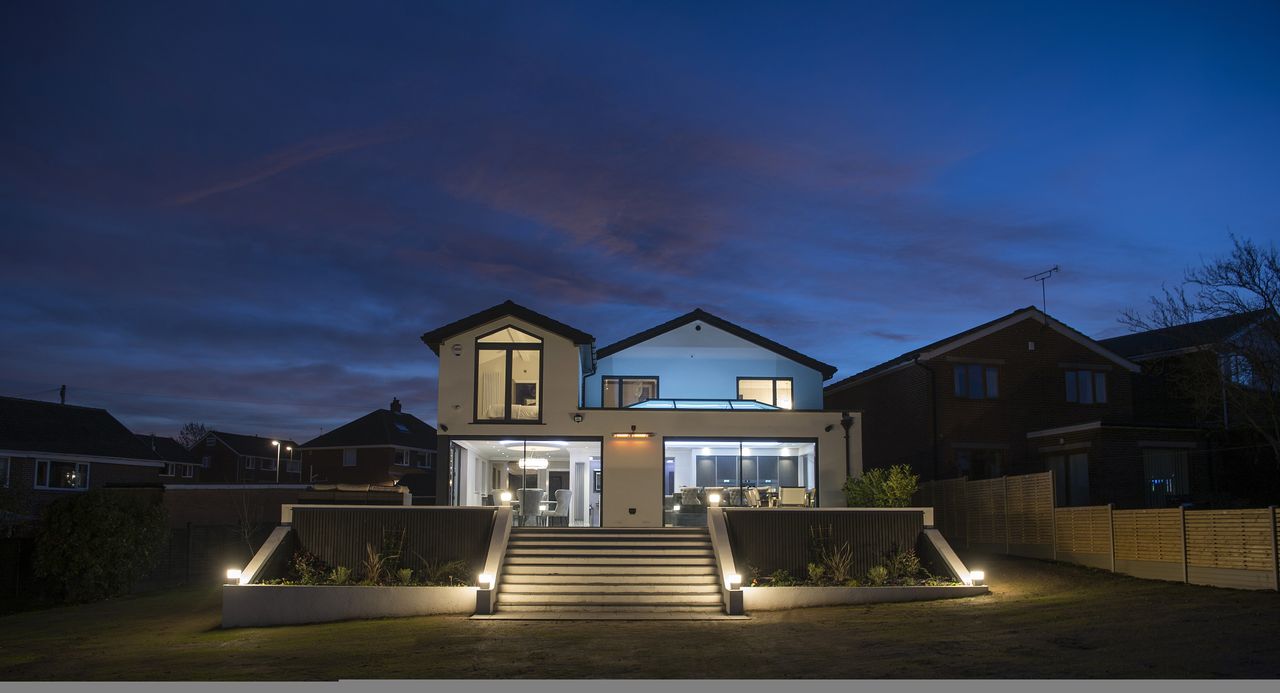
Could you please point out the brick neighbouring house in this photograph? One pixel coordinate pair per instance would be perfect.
(1022, 393)
(235, 458)
(177, 458)
(49, 450)
(383, 447)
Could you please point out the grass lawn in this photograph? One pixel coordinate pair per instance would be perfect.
(1042, 620)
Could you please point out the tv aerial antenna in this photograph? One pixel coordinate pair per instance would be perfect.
(1042, 277)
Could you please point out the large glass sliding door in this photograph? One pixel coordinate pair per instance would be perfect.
(546, 483)
(736, 473)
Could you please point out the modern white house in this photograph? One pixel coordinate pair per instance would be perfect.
(645, 432)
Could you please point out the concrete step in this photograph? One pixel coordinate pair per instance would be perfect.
(623, 551)
(549, 560)
(627, 569)
(609, 530)
(614, 608)
(506, 599)
(620, 578)
(510, 588)
(556, 614)
(540, 542)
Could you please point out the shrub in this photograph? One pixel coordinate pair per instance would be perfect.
(375, 566)
(781, 578)
(307, 569)
(98, 544)
(882, 488)
(905, 566)
(836, 560)
(445, 573)
(341, 576)
(817, 574)
(405, 576)
(878, 575)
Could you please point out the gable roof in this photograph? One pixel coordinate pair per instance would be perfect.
(29, 425)
(959, 339)
(251, 446)
(165, 448)
(698, 314)
(506, 308)
(1189, 336)
(379, 427)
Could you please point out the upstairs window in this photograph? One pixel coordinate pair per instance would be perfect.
(508, 376)
(402, 458)
(775, 392)
(349, 457)
(976, 381)
(1087, 387)
(619, 391)
(210, 441)
(248, 462)
(168, 469)
(188, 471)
(53, 474)
(4, 472)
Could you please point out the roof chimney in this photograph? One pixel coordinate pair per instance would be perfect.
(395, 405)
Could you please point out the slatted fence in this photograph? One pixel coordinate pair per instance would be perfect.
(1015, 515)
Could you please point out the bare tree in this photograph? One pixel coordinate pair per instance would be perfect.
(191, 433)
(1243, 374)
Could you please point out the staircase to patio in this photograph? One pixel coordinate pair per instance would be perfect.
(593, 573)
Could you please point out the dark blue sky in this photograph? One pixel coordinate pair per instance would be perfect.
(246, 214)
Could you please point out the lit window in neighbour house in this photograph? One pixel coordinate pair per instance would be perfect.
(53, 474)
(976, 381)
(1086, 387)
(348, 457)
(1165, 474)
(775, 392)
(623, 391)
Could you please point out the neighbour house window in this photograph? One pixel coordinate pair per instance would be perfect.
(349, 457)
(619, 391)
(1165, 473)
(402, 458)
(1087, 387)
(1070, 478)
(204, 461)
(508, 376)
(168, 469)
(293, 466)
(4, 472)
(772, 391)
(980, 463)
(1239, 370)
(267, 464)
(976, 381)
(188, 471)
(248, 461)
(55, 474)
(210, 441)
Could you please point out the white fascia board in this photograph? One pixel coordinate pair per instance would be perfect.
(72, 457)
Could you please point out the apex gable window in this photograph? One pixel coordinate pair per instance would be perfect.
(55, 474)
(1087, 387)
(508, 376)
(771, 391)
(976, 381)
(619, 391)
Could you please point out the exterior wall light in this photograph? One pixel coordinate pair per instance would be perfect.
(505, 497)
(977, 578)
(633, 434)
(486, 581)
(233, 576)
(713, 499)
(577, 418)
(675, 508)
(733, 581)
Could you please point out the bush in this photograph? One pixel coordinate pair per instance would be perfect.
(97, 544)
(905, 567)
(882, 488)
(878, 575)
(781, 578)
(341, 576)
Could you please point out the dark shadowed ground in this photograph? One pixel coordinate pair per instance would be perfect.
(1043, 620)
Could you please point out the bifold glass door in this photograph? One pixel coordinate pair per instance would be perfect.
(546, 483)
(740, 473)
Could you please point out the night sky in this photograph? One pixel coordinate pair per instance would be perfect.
(247, 214)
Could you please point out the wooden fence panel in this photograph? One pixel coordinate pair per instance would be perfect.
(1231, 548)
(1149, 543)
(985, 514)
(1083, 535)
(1029, 502)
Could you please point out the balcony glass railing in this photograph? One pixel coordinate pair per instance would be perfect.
(706, 404)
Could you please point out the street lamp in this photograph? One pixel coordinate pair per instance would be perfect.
(277, 444)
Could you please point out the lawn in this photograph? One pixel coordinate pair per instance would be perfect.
(1042, 620)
